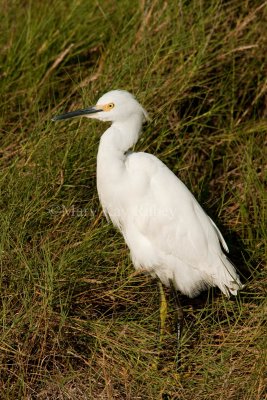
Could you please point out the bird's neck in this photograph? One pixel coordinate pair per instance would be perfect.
(117, 140)
(111, 158)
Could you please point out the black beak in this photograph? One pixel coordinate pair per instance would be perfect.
(77, 113)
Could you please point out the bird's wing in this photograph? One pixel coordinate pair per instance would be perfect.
(170, 217)
(220, 236)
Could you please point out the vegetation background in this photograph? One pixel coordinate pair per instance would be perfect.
(76, 321)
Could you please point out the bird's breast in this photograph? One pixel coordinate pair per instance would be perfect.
(120, 196)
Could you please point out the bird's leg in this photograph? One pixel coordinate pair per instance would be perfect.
(179, 318)
(163, 316)
(162, 311)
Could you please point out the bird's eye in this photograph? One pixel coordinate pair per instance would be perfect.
(108, 107)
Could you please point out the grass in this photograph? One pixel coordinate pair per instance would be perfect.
(76, 321)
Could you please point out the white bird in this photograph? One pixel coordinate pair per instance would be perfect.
(168, 233)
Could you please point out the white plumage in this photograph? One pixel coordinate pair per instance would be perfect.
(168, 233)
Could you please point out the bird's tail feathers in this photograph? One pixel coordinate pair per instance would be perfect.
(229, 281)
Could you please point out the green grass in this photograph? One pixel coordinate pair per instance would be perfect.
(76, 322)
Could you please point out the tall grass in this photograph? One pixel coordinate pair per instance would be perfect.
(76, 321)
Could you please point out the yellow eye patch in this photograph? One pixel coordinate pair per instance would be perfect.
(108, 107)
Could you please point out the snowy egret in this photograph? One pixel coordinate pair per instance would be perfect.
(168, 233)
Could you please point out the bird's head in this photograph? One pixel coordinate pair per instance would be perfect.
(114, 106)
